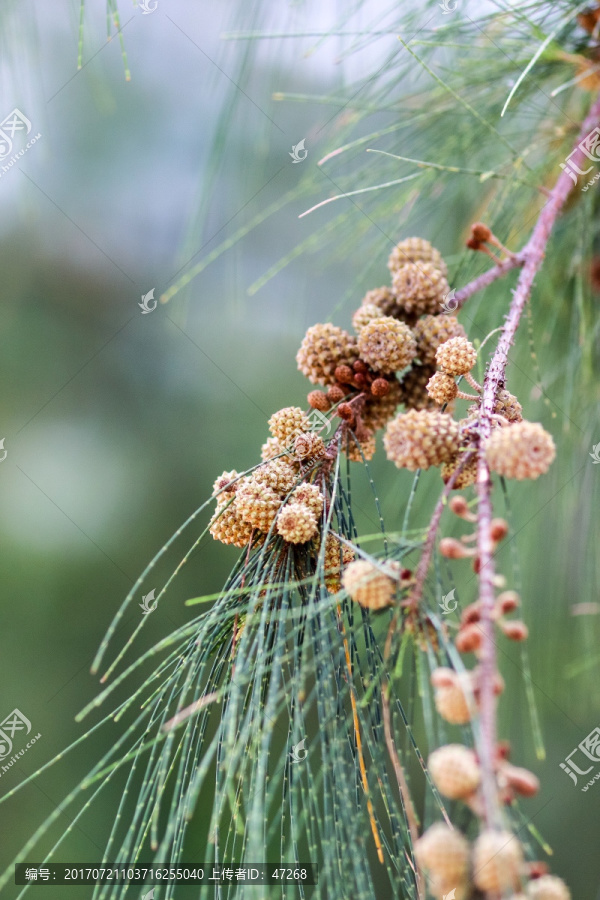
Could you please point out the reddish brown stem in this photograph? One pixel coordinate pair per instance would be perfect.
(532, 255)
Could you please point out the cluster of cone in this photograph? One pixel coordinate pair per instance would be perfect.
(495, 864)
(408, 351)
(278, 499)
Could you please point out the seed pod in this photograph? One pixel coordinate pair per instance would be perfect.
(309, 445)
(418, 440)
(443, 677)
(466, 476)
(228, 527)
(378, 411)
(481, 233)
(380, 387)
(471, 613)
(324, 347)
(497, 859)
(335, 393)
(453, 549)
(364, 314)
(319, 400)
(416, 250)
(309, 495)
(420, 288)
(383, 299)
(431, 331)
(344, 374)
(372, 587)
(277, 474)
(442, 388)
(414, 387)
(296, 523)
(460, 507)
(271, 448)
(456, 356)
(508, 406)
(225, 481)
(454, 771)
(335, 555)
(257, 504)
(548, 887)
(451, 703)
(522, 450)
(356, 452)
(444, 853)
(387, 344)
(287, 423)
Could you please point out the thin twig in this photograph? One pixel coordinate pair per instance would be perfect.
(533, 255)
(487, 278)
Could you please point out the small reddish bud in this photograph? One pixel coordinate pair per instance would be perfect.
(480, 232)
(344, 374)
(360, 381)
(472, 244)
(476, 565)
(468, 639)
(336, 393)
(521, 780)
(360, 366)
(536, 868)
(453, 549)
(319, 400)
(380, 387)
(346, 413)
(516, 630)
(471, 613)
(498, 529)
(507, 602)
(460, 508)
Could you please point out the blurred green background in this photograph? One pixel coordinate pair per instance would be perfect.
(116, 423)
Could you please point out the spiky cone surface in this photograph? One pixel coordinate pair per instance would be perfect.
(521, 450)
(454, 770)
(357, 451)
(467, 475)
(431, 331)
(497, 860)
(444, 854)
(418, 440)
(336, 555)
(271, 448)
(419, 288)
(286, 423)
(308, 445)
(414, 387)
(416, 250)
(386, 344)
(309, 495)
(378, 411)
(548, 887)
(296, 523)
(323, 348)
(278, 474)
(383, 299)
(371, 586)
(364, 314)
(456, 356)
(228, 527)
(319, 400)
(442, 388)
(257, 504)
(224, 485)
